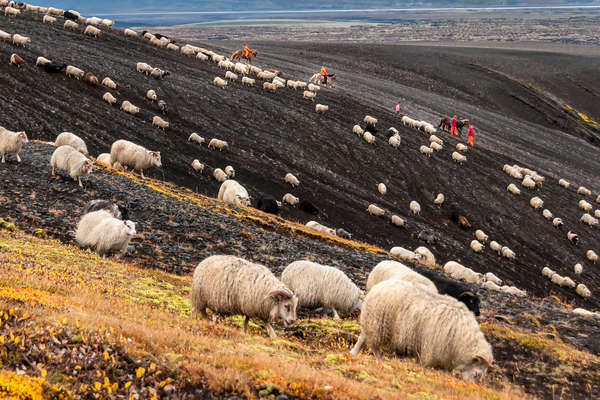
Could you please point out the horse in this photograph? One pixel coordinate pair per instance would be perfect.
(446, 124)
(318, 78)
(239, 54)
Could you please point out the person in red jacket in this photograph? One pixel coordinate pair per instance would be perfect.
(398, 107)
(453, 130)
(471, 136)
(324, 74)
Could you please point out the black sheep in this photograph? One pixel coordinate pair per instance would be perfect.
(267, 204)
(453, 288)
(71, 16)
(308, 207)
(53, 68)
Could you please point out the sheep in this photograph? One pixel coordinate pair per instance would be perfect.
(382, 188)
(582, 290)
(151, 95)
(159, 122)
(158, 73)
(405, 254)
(461, 147)
(547, 272)
(490, 277)
(131, 155)
(109, 98)
(512, 188)
(107, 235)
(320, 108)
(528, 182)
(597, 213)
(20, 40)
(143, 67)
(15, 59)
(443, 333)
(69, 139)
(129, 32)
(230, 285)
(342, 233)
(536, 202)
(459, 271)
(588, 219)
(598, 199)
(375, 210)
(248, 81)
(91, 79)
(427, 256)
(71, 25)
(230, 171)
(292, 84)
(291, 179)
(270, 86)
(290, 199)
(578, 269)
(435, 146)
(265, 75)
(489, 285)
(308, 94)
(370, 121)
(313, 88)
(196, 138)
(357, 130)
(220, 82)
(240, 68)
(497, 247)
(217, 144)
(93, 21)
(188, 50)
(68, 159)
(322, 286)
(584, 205)
(584, 191)
(107, 22)
(369, 138)
(573, 237)
(564, 183)
(426, 150)
(4, 35)
(11, 143)
(48, 19)
(394, 141)
(513, 291)
(507, 253)
(481, 236)
(387, 270)
(129, 108)
(109, 83)
(314, 225)
(219, 175)
(11, 12)
(415, 207)
(476, 246)
(198, 166)
(398, 221)
(547, 214)
(232, 192)
(585, 313)
(226, 64)
(171, 46)
(104, 158)
(459, 158)
(592, 256)
(557, 222)
(231, 76)
(92, 31)
(74, 72)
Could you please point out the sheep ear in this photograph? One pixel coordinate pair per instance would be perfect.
(482, 360)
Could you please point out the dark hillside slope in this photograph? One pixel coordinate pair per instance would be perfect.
(272, 134)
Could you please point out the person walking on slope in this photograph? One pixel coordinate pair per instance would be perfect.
(471, 136)
(324, 74)
(453, 130)
(397, 107)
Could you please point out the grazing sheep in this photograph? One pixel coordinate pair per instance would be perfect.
(454, 288)
(322, 286)
(528, 182)
(588, 219)
(461, 147)
(309, 95)
(231, 76)
(130, 32)
(573, 237)
(217, 144)
(340, 232)
(290, 199)
(513, 291)
(490, 277)
(109, 98)
(584, 191)
(198, 166)
(159, 122)
(382, 188)
(481, 236)
(320, 108)
(270, 86)
(15, 59)
(370, 121)
(585, 313)
(313, 88)
(71, 25)
(441, 331)
(11, 143)
(497, 247)
(162, 106)
(48, 19)
(358, 130)
(69, 139)
(405, 254)
(107, 22)
(547, 272)
(387, 270)
(4, 35)
(308, 207)
(91, 79)
(173, 47)
(426, 150)
(435, 146)
(547, 214)
(582, 290)
(476, 246)
(151, 95)
(578, 269)
(598, 199)
(68, 159)
(536, 203)
(291, 179)
(74, 72)
(92, 31)
(490, 286)
(568, 282)
(11, 12)
(158, 73)
(597, 213)
(104, 158)
(248, 81)
(584, 205)
(512, 188)
(232, 192)
(196, 138)
(398, 221)
(427, 256)
(395, 141)
(459, 271)
(507, 253)
(109, 83)
(557, 222)
(93, 21)
(240, 68)
(564, 183)
(230, 285)
(314, 225)
(374, 210)
(439, 200)
(143, 67)
(592, 256)
(459, 158)
(230, 171)
(369, 138)
(435, 139)
(415, 207)
(136, 157)
(219, 175)
(268, 204)
(129, 108)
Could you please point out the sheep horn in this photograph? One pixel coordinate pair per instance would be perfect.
(285, 293)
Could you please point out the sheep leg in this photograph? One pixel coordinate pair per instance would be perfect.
(79, 180)
(359, 343)
(142, 173)
(335, 314)
(271, 331)
(18, 158)
(246, 323)
(3, 159)
(52, 167)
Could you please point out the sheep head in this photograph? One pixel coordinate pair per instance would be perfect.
(471, 300)
(284, 307)
(23, 136)
(475, 369)
(130, 228)
(155, 155)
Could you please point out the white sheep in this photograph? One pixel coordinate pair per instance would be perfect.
(461, 147)
(415, 207)
(459, 271)
(107, 22)
(219, 175)
(439, 200)
(74, 72)
(578, 269)
(369, 138)
(218, 144)
(11, 12)
(71, 25)
(512, 188)
(598, 199)
(585, 313)
(290, 199)
(573, 237)
(490, 286)
(557, 222)
(481, 236)
(398, 221)
(104, 158)
(48, 19)
(109, 83)
(584, 205)
(93, 21)
(248, 81)
(131, 155)
(173, 47)
(394, 141)
(547, 272)
(436, 139)
(198, 166)
(528, 182)
(151, 95)
(129, 108)
(11, 143)
(490, 277)
(357, 130)
(387, 270)
(319, 285)
(597, 213)
(230, 171)
(317, 227)
(92, 31)
(440, 330)
(497, 247)
(582, 290)
(382, 188)
(536, 203)
(459, 158)
(435, 146)
(320, 108)
(588, 219)
(291, 179)
(232, 192)
(375, 210)
(143, 67)
(109, 98)
(370, 120)
(547, 214)
(564, 183)
(427, 256)
(109, 235)
(201, 56)
(220, 82)
(159, 122)
(68, 159)
(405, 254)
(584, 191)
(592, 256)
(513, 291)
(508, 253)
(240, 68)
(129, 32)
(426, 150)
(4, 35)
(476, 246)
(313, 88)
(230, 285)
(270, 86)
(308, 94)
(231, 76)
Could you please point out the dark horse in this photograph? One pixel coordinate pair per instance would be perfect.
(446, 124)
(238, 55)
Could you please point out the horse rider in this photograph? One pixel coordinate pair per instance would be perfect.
(246, 52)
(471, 136)
(324, 74)
(453, 130)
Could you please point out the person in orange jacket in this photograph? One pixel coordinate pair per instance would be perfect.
(246, 50)
(471, 136)
(453, 130)
(324, 74)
